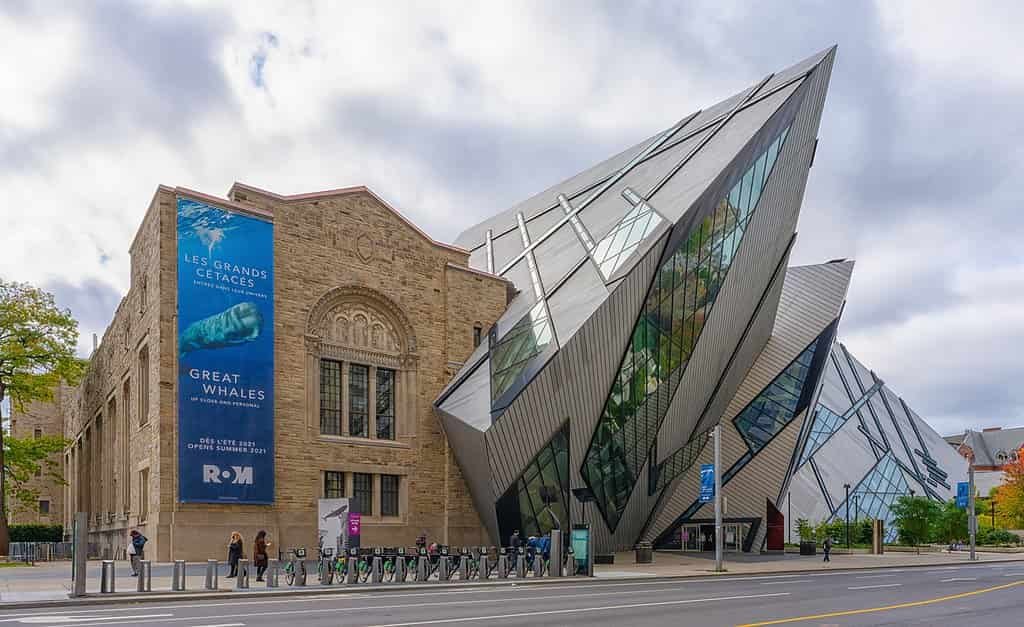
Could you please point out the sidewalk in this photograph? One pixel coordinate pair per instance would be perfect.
(50, 582)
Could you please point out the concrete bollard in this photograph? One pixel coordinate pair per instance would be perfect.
(273, 568)
(145, 578)
(242, 580)
(211, 574)
(178, 576)
(107, 576)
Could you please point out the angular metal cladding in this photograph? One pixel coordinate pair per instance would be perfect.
(235, 325)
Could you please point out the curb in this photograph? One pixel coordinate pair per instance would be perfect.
(96, 598)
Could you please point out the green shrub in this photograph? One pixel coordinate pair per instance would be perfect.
(36, 533)
(997, 536)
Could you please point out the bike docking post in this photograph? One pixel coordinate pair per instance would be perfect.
(107, 576)
(145, 583)
(377, 566)
(464, 558)
(326, 566)
(555, 562)
(401, 568)
(352, 576)
(521, 563)
(242, 580)
(422, 566)
(178, 576)
(503, 563)
(538, 563)
(211, 575)
(444, 566)
(299, 568)
(570, 561)
(484, 565)
(273, 569)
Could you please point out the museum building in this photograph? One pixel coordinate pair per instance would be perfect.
(276, 350)
(362, 319)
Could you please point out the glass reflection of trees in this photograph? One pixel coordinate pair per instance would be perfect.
(664, 337)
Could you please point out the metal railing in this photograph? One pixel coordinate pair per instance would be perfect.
(39, 551)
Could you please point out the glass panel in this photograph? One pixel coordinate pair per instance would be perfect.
(334, 485)
(385, 404)
(358, 392)
(389, 495)
(666, 335)
(330, 397)
(548, 468)
(615, 248)
(679, 462)
(362, 493)
(774, 407)
(512, 354)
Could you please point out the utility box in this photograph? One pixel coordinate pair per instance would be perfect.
(644, 553)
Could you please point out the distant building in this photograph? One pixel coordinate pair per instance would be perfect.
(37, 420)
(990, 449)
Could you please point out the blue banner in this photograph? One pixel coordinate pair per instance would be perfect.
(225, 356)
(707, 482)
(963, 494)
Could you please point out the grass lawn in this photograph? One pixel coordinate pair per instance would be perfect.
(12, 564)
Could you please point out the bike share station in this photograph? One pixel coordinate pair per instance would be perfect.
(347, 563)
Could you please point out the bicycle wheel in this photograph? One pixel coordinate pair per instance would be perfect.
(289, 575)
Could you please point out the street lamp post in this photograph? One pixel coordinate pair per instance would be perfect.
(846, 486)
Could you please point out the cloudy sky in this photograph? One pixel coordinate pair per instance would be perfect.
(453, 112)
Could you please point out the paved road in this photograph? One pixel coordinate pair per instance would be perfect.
(977, 595)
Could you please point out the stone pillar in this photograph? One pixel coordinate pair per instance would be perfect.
(371, 402)
(344, 400)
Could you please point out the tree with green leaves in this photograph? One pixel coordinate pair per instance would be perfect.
(37, 352)
(951, 523)
(915, 518)
(25, 459)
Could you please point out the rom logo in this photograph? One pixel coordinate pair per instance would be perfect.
(238, 475)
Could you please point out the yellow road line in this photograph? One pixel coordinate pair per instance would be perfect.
(867, 610)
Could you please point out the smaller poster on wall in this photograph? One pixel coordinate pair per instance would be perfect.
(332, 522)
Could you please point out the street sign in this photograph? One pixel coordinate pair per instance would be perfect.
(963, 494)
(707, 483)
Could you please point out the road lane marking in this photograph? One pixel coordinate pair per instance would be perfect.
(51, 620)
(579, 610)
(132, 620)
(958, 579)
(223, 625)
(880, 585)
(886, 608)
(873, 576)
(778, 583)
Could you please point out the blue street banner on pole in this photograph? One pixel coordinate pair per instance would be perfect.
(225, 356)
(963, 494)
(707, 483)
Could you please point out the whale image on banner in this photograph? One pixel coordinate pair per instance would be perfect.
(225, 355)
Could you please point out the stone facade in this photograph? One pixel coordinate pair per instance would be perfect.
(355, 283)
(40, 419)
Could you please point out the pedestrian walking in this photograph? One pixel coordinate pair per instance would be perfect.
(136, 550)
(234, 552)
(259, 554)
(827, 547)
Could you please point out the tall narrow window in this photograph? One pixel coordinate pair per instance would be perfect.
(389, 495)
(477, 335)
(330, 397)
(143, 385)
(358, 390)
(362, 493)
(142, 295)
(44, 507)
(334, 485)
(113, 427)
(38, 433)
(385, 404)
(143, 495)
(126, 466)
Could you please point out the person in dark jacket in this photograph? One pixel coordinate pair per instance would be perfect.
(137, 548)
(234, 552)
(260, 558)
(826, 546)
